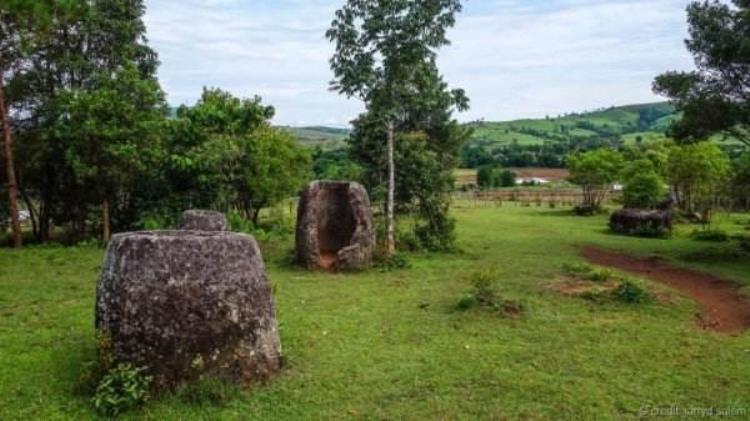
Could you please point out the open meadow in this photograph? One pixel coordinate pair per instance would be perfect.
(393, 345)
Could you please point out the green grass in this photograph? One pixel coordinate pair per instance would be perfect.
(391, 345)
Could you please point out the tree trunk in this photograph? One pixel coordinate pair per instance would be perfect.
(10, 168)
(106, 233)
(390, 243)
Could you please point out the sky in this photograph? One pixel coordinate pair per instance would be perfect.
(515, 58)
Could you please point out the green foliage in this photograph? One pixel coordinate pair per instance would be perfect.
(630, 293)
(600, 275)
(643, 186)
(547, 142)
(507, 178)
(385, 54)
(698, 174)
(123, 388)
(740, 183)
(714, 98)
(488, 177)
(335, 165)
(595, 171)
(484, 295)
(394, 262)
(578, 268)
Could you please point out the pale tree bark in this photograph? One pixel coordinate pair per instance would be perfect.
(390, 242)
(10, 169)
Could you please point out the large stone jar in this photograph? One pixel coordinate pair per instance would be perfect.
(187, 303)
(334, 227)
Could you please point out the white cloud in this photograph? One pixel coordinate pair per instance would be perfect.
(516, 58)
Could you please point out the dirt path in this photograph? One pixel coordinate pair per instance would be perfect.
(724, 309)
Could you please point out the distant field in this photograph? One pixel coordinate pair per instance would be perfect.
(468, 176)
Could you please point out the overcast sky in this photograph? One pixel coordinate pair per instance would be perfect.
(515, 58)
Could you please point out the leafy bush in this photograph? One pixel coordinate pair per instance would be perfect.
(600, 275)
(396, 261)
(630, 293)
(718, 236)
(209, 391)
(577, 268)
(123, 388)
(644, 188)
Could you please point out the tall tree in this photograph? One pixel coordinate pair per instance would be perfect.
(12, 34)
(385, 51)
(714, 99)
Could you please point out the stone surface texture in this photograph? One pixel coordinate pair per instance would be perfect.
(634, 221)
(334, 227)
(203, 220)
(186, 303)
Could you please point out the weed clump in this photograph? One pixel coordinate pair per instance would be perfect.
(123, 388)
(601, 285)
(484, 295)
(630, 293)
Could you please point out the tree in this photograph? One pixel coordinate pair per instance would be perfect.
(109, 131)
(741, 180)
(698, 174)
(715, 98)
(223, 153)
(595, 171)
(508, 178)
(488, 177)
(85, 43)
(643, 187)
(385, 55)
(16, 19)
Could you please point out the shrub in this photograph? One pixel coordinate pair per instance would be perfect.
(630, 293)
(600, 275)
(577, 268)
(717, 236)
(396, 261)
(123, 388)
(644, 188)
(485, 296)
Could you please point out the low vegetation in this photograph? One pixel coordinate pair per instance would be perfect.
(389, 345)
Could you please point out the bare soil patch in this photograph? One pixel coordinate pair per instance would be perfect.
(723, 307)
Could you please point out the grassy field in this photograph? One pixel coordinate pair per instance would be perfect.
(391, 345)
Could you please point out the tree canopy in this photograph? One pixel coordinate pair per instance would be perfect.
(716, 97)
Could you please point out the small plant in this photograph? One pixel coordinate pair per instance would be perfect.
(123, 388)
(717, 236)
(485, 296)
(93, 371)
(600, 275)
(630, 293)
(577, 268)
(209, 391)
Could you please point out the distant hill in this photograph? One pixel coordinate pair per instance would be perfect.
(628, 122)
(326, 137)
